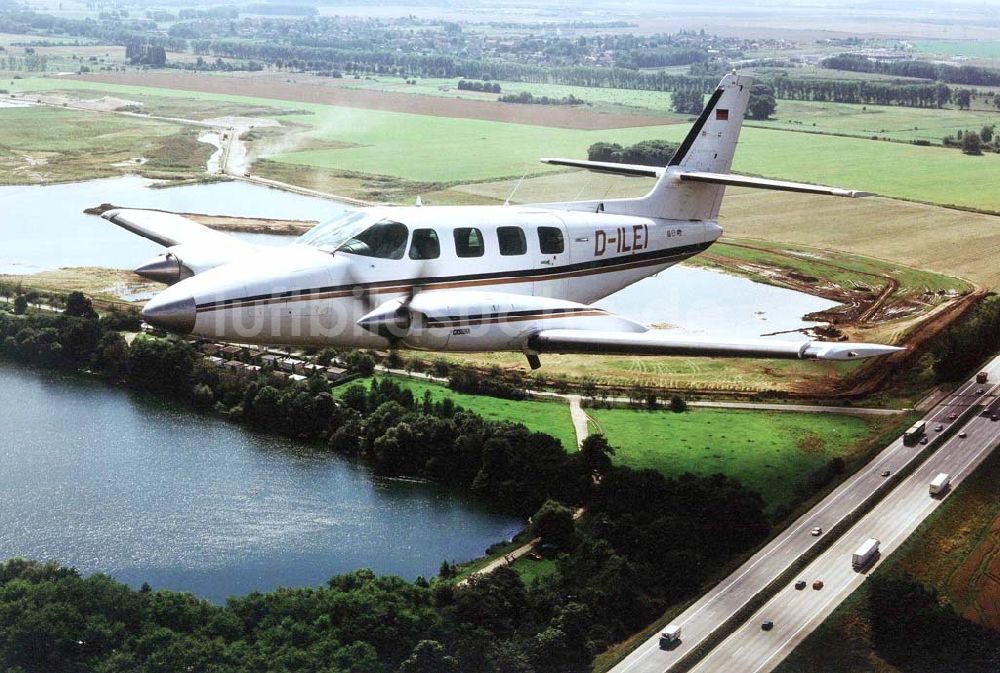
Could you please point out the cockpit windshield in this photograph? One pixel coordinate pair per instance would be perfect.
(359, 233)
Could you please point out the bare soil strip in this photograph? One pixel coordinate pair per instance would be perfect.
(536, 115)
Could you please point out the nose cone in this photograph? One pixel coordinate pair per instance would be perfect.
(172, 312)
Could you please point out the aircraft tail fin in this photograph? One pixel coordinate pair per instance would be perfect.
(692, 184)
(708, 147)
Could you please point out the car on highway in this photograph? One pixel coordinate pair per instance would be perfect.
(766, 625)
(800, 585)
(923, 440)
(886, 473)
(963, 434)
(979, 391)
(952, 416)
(938, 428)
(817, 585)
(816, 532)
(994, 417)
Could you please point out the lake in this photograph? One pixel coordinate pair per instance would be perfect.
(44, 227)
(108, 481)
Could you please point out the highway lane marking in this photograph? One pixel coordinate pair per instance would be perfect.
(841, 595)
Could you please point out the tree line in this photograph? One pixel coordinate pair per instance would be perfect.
(527, 98)
(940, 72)
(488, 87)
(962, 347)
(645, 152)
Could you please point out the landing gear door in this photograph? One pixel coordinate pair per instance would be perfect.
(550, 239)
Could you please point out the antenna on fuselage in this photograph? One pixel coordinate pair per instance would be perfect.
(506, 201)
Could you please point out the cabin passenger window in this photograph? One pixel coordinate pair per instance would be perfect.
(425, 244)
(550, 240)
(385, 240)
(511, 241)
(468, 242)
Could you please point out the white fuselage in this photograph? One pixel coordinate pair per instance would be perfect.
(308, 294)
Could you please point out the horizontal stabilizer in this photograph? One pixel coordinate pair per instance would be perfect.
(657, 342)
(631, 170)
(637, 170)
(764, 183)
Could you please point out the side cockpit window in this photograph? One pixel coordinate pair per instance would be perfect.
(511, 241)
(550, 240)
(385, 240)
(468, 242)
(425, 244)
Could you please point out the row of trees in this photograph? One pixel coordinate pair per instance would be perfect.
(531, 99)
(645, 153)
(963, 346)
(929, 95)
(940, 72)
(488, 87)
(973, 142)
(140, 53)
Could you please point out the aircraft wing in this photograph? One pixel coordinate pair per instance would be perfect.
(660, 342)
(170, 229)
(191, 247)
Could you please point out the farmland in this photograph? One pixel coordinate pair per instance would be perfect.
(445, 149)
(771, 452)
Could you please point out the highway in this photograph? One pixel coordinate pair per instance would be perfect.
(796, 613)
(723, 600)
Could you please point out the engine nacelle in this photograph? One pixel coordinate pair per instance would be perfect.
(467, 320)
(183, 261)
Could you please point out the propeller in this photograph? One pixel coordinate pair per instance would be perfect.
(390, 320)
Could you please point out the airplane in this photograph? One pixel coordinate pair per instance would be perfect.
(515, 278)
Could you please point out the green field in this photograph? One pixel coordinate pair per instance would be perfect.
(844, 269)
(600, 98)
(446, 150)
(971, 48)
(865, 121)
(540, 416)
(530, 569)
(770, 452)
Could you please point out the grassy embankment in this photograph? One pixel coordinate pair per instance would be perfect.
(44, 145)
(956, 551)
(770, 452)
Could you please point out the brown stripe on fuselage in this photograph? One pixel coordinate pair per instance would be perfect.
(376, 288)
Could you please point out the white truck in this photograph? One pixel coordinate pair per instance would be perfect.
(865, 554)
(670, 635)
(940, 483)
